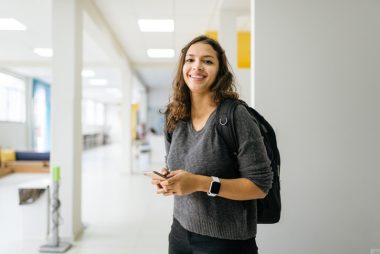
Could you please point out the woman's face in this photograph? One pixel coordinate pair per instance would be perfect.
(200, 67)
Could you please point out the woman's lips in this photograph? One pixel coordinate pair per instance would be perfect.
(197, 77)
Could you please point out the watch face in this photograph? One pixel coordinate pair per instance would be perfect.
(215, 187)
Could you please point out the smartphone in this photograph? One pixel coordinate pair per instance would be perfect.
(155, 175)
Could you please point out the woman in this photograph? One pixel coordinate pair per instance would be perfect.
(215, 191)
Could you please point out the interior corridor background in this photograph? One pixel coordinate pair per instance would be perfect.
(121, 211)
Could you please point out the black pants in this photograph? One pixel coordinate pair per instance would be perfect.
(182, 241)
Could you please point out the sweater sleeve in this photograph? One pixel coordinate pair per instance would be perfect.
(253, 160)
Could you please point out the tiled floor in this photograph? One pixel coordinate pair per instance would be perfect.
(121, 212)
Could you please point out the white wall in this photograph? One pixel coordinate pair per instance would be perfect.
(317, 81)
(243, 81)
(113, 122)
(158, 98)
(18, 136)
(139, 95)
(13, 135)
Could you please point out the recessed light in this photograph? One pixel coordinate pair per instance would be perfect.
(156, 25)
(98, 82)
(160, 53)
(11, 24)
(88, 73)
(44, 52)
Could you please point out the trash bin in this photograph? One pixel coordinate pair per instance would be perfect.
(144, 157)
(34, 203)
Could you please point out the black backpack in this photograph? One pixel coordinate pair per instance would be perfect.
(268, 208)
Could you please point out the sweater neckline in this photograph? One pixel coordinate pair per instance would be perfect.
(190, 123)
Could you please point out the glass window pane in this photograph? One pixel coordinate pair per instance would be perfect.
(12, 98)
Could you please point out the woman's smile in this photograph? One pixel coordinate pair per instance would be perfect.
(197, 76)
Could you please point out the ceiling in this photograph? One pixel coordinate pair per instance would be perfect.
(191, 18)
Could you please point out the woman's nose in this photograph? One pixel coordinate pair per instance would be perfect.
(197, 66)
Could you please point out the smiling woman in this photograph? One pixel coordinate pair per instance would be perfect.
(207, 182)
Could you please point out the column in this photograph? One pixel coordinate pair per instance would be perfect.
(253, 53)
(66, 100)
(228, 35)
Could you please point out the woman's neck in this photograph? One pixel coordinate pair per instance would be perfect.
(202, 105)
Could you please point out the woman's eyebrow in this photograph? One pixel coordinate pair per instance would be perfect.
(205, 56)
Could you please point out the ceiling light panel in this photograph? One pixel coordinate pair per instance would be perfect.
(98, 82)
(156, 25)
(44, 52)
(11, 24)
(88, 73)
(160, 53)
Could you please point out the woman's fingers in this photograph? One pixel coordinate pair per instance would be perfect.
(164, 171)
(165, 193)
(158, 186)
(170, 186)
(155, 182)
(166, 183)
(175, 172)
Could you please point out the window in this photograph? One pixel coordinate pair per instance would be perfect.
(12, 98)
(88, 112)
(93, 113)
(99, 113)
(41, 115)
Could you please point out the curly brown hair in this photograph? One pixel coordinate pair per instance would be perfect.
(179, 107)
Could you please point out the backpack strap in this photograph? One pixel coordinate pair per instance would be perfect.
(168, 136)
(225, 123)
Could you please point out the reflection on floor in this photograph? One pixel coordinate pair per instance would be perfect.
(121, 212)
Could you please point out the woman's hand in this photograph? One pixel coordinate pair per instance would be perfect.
(180, 182)
(157, 183)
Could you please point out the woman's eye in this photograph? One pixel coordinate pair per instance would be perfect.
(189, 60)
(208, 62)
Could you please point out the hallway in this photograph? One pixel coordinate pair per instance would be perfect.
(121, 212)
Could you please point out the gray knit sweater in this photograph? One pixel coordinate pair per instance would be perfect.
(205, 153)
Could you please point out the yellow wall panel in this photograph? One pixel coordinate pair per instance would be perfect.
(244, 49)
(212, 34)
(135, 109)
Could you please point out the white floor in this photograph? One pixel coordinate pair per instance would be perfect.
(121, 211)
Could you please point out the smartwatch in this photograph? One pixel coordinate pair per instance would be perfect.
(214, 187)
